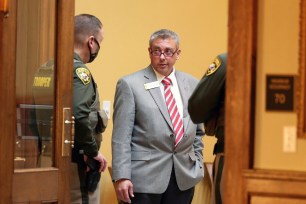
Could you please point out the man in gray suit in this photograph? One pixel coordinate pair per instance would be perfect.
(157, 153)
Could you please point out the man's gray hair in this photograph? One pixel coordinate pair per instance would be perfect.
(164, 34)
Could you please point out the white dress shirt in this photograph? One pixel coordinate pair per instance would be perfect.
(174, 89)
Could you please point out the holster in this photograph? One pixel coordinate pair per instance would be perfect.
(93, 175)
(102, 121)
(210, 125)
(78, 157)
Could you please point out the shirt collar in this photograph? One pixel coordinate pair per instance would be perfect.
(160, 77)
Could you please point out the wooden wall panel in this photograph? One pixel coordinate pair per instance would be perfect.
(271, 186)
(273, 200)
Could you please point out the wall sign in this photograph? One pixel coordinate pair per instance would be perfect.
(280, 93)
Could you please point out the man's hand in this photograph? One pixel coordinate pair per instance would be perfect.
(124, 190)
(102, 160)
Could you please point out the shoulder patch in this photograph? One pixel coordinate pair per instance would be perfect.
(84, 75)
(213, 67)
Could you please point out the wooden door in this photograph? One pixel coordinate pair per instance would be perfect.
(36, 94)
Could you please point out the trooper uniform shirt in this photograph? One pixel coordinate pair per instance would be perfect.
(210, 93)
(85, 110)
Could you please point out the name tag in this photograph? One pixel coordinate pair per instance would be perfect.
(152, 85)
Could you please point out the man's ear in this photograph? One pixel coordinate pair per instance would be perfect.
(178, 54)
(149, 51)
(91, 41)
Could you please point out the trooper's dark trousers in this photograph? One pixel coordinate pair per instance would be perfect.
(78, 192)
(217, 190)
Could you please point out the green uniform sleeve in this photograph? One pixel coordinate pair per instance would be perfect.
(207, 96)
(83, 97)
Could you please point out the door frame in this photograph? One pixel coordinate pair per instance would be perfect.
(63, 94)
(240, 97)
(63, 86)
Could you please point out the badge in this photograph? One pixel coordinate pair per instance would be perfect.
(84, 75)
(214, 66)
(152, 85)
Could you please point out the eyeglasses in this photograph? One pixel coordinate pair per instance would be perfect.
(96, 42)
(166, 53)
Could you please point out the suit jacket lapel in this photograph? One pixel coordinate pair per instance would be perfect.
(156, 94)
(184, 89)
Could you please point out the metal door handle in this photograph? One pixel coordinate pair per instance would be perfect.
(67, 132)
(69, 142)
(69, 121)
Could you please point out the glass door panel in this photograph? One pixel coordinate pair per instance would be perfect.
(33, 35)
(35, 57)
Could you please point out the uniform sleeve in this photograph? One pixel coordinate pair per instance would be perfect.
(207, 96)
(83, 96)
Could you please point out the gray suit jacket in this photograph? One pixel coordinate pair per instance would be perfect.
(143, 139)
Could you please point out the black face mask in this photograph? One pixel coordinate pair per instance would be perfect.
(92, 56)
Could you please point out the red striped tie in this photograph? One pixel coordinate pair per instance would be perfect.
(173, 111)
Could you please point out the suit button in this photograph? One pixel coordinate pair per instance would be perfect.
(174, 152)
(172, 135)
